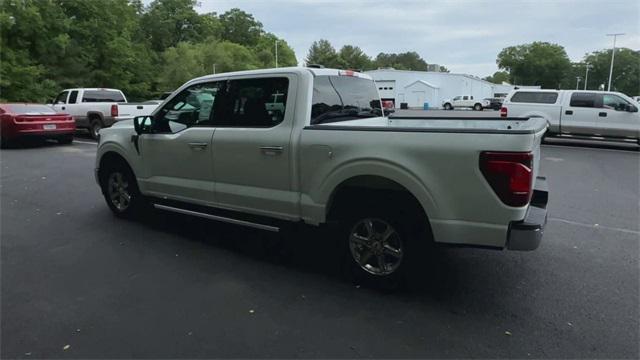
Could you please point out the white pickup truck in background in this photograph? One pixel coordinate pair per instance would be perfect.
(225, 147)
(96, 108)
(578, 113)
(466, 101)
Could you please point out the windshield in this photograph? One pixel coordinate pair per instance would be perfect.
(341, 98)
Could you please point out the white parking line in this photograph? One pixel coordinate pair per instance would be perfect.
(596, 226)
(85, 142)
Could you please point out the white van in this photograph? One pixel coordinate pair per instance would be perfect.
(600, 114)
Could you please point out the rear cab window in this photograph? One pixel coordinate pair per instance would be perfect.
(102, 96)
(535, 97)
(342, 98)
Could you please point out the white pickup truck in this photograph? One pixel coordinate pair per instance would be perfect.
(390, 185)
(95, 108)
(588, 114)
(466, 101)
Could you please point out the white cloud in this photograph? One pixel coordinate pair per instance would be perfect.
(465, 36)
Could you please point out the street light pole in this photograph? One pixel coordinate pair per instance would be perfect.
(214, 68)
(586, 76)
(276, 53)
(577, 81)
(613, 54)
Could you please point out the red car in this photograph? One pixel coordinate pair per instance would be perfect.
(388, 106)
(35, 120)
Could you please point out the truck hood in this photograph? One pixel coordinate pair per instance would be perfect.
(441, 124)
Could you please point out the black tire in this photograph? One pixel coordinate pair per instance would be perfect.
(94, 127)
(118, 182)
(65, 140)
(448, 106)
(477, 107)
(409, 237)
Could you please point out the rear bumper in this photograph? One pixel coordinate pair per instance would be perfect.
(36, 129)
(526, 235)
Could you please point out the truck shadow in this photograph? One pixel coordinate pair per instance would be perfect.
(448, 274)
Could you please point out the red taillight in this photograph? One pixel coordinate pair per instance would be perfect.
(503, 112)
(347, 73)
(510, 175)
(114, 110)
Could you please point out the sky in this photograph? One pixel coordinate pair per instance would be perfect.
(464, 36)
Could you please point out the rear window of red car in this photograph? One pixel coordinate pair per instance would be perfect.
(29, 108)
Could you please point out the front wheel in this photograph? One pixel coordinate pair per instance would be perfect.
(120, 191)
(448, 106)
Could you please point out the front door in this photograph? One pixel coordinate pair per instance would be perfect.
(252, 151)
(177, 156)
(615, 120)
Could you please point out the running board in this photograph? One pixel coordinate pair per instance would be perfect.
(217, 218)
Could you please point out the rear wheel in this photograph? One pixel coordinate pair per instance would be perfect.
(477, 107)
(94, 127)
(380, 242)
(121, 191)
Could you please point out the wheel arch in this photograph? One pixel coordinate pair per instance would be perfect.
(376, 174)
(385, 188)
(111, 155)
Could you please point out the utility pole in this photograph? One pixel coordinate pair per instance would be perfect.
(586, 75)
(214, 68)
(276, 53)
(613, 54)
(577, 81)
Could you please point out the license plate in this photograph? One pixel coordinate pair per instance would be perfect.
(49, 126)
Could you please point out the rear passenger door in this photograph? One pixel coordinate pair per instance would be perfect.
(580, 116)
(252, 152)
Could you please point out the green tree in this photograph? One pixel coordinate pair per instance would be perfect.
(323, 53)
(265, 52)
(165, 23)
(538, 63)
(240, 27)
(354, 58)
(404, 61)
(626, 70)
(498, 77)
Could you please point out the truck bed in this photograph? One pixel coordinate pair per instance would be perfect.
(480, 125)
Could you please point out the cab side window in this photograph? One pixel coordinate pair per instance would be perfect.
(615, 102)
(61, 98)
(194, 106)
(589, 100)
(259, 102)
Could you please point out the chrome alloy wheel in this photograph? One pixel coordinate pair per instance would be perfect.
(118, 189)
(376, 246)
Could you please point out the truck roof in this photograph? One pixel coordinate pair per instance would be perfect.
(296, 69)
(92, 89)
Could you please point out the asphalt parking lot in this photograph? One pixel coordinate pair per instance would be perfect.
(175, 287)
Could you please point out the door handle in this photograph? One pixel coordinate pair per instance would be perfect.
(568, 112)
(198, 145)
(139, 107)
(602, 114)
(63, 108)
(271, 150)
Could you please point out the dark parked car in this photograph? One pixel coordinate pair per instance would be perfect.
(494, 103)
